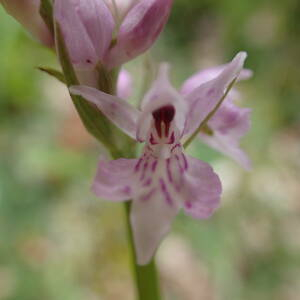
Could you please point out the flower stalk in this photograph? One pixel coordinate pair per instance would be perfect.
(146, 278)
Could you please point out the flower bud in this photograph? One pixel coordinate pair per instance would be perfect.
(139, 30)
(26, 12)
(87, 27)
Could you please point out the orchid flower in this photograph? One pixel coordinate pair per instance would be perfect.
(229, 124)
(108, 32)
(164, 179)
(225, 129)
(27, 13)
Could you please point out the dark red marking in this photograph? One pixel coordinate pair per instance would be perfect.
(165, 115)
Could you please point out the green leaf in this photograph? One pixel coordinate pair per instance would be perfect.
(46, 12)
(54, 73)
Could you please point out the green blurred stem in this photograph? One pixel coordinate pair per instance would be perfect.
(146, 278)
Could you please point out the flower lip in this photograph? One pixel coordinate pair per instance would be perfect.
(164, 114)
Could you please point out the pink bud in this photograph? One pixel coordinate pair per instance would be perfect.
(26, 12)
(87, 26)
(139, 30)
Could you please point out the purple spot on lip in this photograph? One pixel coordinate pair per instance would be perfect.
(127, 190)
(138, 165)
(148, 195)
(179, 165)
(172, 138)
(169, 170)
(177, 145)
(144, 169)
(148, 182)
(188, 204)
(167, 196)
(185, 162)
(154, 165)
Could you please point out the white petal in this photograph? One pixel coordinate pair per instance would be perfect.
(151, 220)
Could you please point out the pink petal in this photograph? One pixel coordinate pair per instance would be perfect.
(228, 146)
(161, 93)
(206, 75)
(203, 188)
(117, 110)
(87, 26)
(139, 30)
(150, 220)
(27, 13)
(114, 179)
(124, 85)
(229, 124)
(205, 98)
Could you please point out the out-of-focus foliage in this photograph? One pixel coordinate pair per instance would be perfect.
(58, 242)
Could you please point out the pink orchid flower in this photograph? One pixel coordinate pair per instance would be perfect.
(109, 32)
(164, 179)
(230, 123)
(27, 13)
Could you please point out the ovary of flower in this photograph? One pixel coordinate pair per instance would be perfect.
(164, 179)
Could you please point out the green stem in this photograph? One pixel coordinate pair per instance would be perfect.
(146, 279)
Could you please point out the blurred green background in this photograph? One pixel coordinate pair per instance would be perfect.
(59, 242)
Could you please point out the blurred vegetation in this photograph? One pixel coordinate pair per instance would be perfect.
(58, 242)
